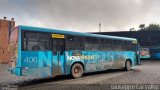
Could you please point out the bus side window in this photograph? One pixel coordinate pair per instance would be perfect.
(102, 44)
(29, 41)
(130, 46)
(87, 44)
(119, 45)
(75, 42)
(105, 44)
(114, 45)
(79, 43)
(108, 45)
(36, 41)
(122, 45)
(125, 47)
(44, 41)
(95, 44)
(70, 43)
(91, 43)
(35, 47)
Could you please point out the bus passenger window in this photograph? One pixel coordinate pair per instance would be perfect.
(36, 41)
(70, 43)
(35, 47)
(79, 43)
(91, 43)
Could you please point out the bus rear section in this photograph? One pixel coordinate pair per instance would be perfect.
(144, 53)
(13, 51)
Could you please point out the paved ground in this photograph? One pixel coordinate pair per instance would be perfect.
(147, 73)
(7, 78)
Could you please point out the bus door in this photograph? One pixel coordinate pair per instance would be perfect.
(58, 45)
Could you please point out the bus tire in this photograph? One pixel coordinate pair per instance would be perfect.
(77, 70)
(127, 65)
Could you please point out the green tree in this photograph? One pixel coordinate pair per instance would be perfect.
(132, 29)
(153, 27)
(142, 26)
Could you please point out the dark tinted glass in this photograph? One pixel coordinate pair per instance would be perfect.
(36, 41)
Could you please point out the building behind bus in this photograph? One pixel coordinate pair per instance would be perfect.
(5, 28)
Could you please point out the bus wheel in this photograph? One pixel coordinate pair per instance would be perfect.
(127, 65)
(77, 70)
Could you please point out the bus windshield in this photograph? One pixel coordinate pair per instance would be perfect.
(13, 47)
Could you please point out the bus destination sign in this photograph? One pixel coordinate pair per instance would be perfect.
(57, 36)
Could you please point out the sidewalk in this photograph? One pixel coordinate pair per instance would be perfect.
(7, 78)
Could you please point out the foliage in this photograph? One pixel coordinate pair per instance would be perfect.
(142, 26)
(132, 29)
(153, 27)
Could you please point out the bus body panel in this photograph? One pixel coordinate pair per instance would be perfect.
(36, 63)
(99, 60)
(46, 63)
(42, 64)
(154, 52)
(156, 56)
(16, 54)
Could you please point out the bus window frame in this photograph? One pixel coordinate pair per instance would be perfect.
(37, 32)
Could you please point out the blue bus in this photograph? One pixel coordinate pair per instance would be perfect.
(154, 52)
(44, 52)
(144, 53)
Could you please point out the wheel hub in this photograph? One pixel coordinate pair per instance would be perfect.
(76, 70)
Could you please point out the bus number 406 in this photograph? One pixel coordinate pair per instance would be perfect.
(30, 60)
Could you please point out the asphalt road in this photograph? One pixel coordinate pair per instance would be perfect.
(146, 74)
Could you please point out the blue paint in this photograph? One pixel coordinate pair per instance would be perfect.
(92, 60)
(45, 63)
(156, 56)
(29, 59)
(45, 59)
(92, 65)
(36, 59)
